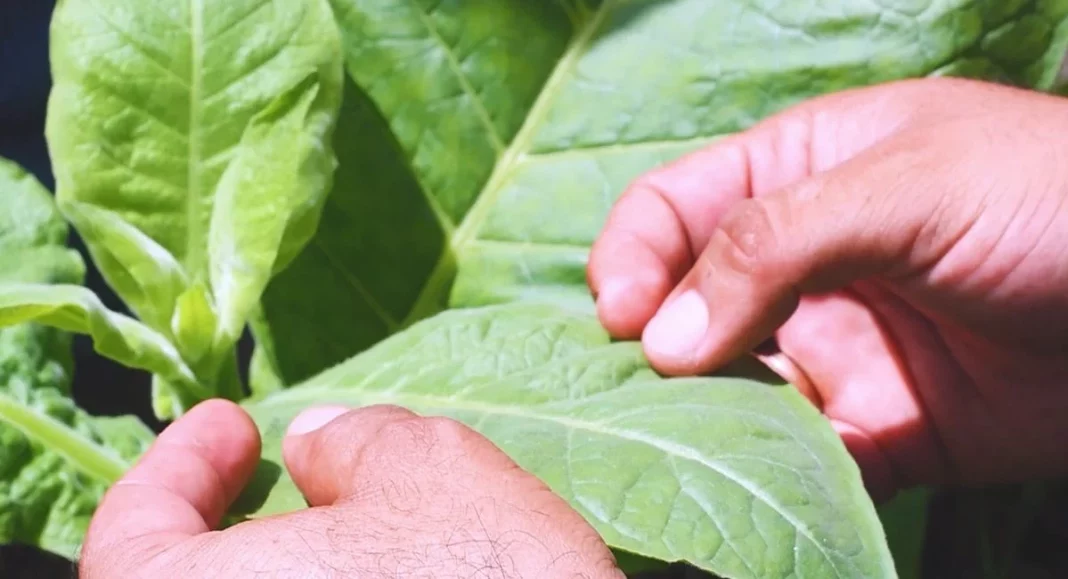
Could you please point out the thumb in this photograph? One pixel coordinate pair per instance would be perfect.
(323, 448)
(412, 480)
(335, 454)
(858, 220)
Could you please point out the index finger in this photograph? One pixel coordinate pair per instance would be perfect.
(664, 220)
(181, 487)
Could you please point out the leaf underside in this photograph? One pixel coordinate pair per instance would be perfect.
(481, 144)
(738, 476)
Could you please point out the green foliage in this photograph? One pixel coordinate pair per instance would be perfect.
(399, 197)
(737, 476)
(496, 135)
(76, 309)
(191, 147)
(55, 460)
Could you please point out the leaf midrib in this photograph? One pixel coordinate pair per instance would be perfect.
(513, 155)
(668, 447)
(454, 65)
(379, 310)
(193, 256)
(84, 455)
(517, 154)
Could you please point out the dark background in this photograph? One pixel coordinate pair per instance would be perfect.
(969, 531)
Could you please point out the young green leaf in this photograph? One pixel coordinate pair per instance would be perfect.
(495, 135)
(737, 476)
(55, 460)
(140, 270)
(191, 147)
(121, 338)
(268, 205)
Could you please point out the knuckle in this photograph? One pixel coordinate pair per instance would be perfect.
(449, 432)
(335, 447)
(355, 424)
(347, 439)
(747, 238)
(421, 455)
(384, 411)
(647, 184)
(408, 434)
(420, 437)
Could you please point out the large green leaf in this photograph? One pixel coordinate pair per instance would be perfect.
(191, 147)
(492, 137)
(55, 460)
(740, 477)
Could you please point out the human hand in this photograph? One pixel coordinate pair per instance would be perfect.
(391, 495)
(907, 247)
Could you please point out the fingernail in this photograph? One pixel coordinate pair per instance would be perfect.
(313, 419)
(677, 330)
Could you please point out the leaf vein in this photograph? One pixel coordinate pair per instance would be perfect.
(263, 63)
(106, 90)
(149, 204)
(193, 194)
(357, 285)
(84, 454)
(461, 77)
(140, 48)
(668, 447)
(235, 25)
(508, 162)
(725, 539)
(624, 147)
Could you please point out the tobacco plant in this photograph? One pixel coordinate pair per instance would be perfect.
(397, 197)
